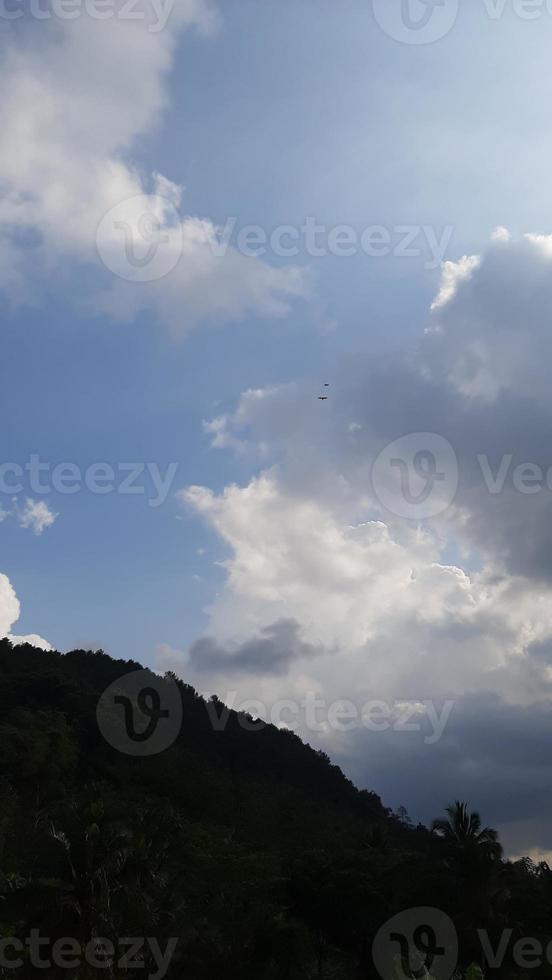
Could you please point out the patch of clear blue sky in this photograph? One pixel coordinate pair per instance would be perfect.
(295, 108)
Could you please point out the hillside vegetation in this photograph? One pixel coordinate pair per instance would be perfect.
(249, 847)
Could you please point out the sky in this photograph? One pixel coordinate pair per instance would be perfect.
(212, 216)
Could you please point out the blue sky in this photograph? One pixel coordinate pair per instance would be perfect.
(271, 115)
(299, 124)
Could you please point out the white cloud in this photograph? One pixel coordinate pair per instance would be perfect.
(493, 324)
(81, 92)
(9, 614)
(501, 234)
(459, 607)
(389, 614)
(34, 514)
(32, 639)
(452, 274)
(480, 378)
(9, 605)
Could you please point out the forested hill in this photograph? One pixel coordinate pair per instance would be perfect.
(255, 779)
(249, 846)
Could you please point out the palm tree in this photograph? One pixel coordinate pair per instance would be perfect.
(465, 838)
(472, 856)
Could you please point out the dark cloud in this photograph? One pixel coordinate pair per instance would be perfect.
(495, 755)
(480, 377)
(272, 651)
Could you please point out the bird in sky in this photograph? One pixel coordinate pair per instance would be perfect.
(322, 398)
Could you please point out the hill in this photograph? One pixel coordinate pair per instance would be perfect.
(248, 848)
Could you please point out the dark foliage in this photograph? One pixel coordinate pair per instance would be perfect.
(249, 846)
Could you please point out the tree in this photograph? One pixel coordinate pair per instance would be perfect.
(464, 838)
(472, 856)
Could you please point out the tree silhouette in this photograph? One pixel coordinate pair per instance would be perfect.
(249, 846)
(472, 855)
(464, 837)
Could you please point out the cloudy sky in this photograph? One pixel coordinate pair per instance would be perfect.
(209, 211)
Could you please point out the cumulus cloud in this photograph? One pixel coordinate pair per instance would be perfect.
(391, 616)
(389, 621)
(34, 515)
(9, 614)
(32, 639)
(457, 606)
(454, 273)
(9, 605)
(479, 378)
(81, 92)
(492, 318)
